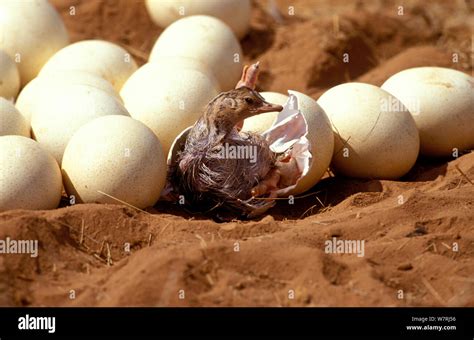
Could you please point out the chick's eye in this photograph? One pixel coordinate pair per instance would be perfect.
(249, 100)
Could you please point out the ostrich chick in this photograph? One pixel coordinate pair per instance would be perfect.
(222, 167)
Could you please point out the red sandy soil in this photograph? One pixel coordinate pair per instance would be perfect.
(408, 246)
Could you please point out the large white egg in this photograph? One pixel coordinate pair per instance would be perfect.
(118, 156)
(235, 13)
(206, 39)
(441, 101)
(61, 112)
(30, 178)
(30, 32)
(9, 76)
(98, 57)
(11, 121)
(375, 134)
(262, 122)
(168, 101)
(41, 86)
(172, 63)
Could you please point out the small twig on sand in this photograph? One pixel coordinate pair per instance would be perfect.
(81, 238)
(463, 174)
(202, 241)
(432, 245)
(86, 266)
(320, 222)
(75, 229)
(277, 298)
(99, 258)
(164, 228)
(287, 198)
(209, 279)
(123, 202)
(404, 244)
(322, 204)
(446, 245)
(433, 291)
(149, 239)
(109, 256)
(101, 248)
(310, 210)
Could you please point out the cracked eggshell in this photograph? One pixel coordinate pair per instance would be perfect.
(235, 13)
(441, 101)
(43, 84)
(262, 122)
(117, 155)
(9, 76)
(375, 135)
(30, 178)
(206, 39)
(11, 121)
(168, 100)
(58, 114)
(321, 140)
(99, 57)
(31, 31)
(320, 136)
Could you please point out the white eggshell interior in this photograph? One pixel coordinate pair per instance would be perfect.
(321, 140)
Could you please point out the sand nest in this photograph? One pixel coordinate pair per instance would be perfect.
(409, 226)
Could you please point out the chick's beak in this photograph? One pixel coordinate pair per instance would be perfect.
(268, 107)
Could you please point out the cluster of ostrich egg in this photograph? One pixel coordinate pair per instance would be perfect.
(82, 119)
(379, 132)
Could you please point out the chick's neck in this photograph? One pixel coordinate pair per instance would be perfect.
(219, 123)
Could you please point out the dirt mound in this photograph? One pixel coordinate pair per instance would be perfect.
(418, 232)
(113, 255)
